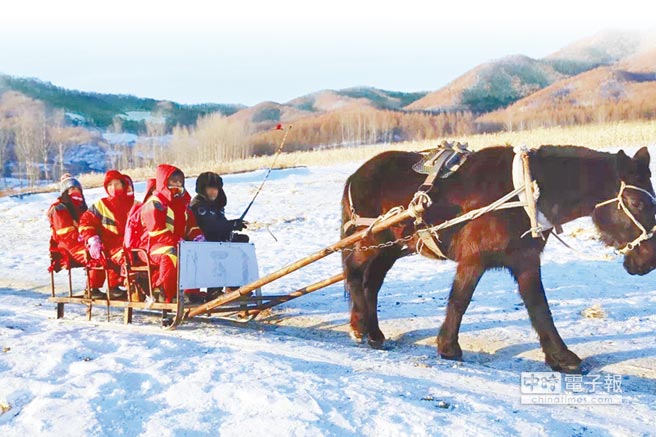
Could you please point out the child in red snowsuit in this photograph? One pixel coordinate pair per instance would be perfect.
(64, 216)
(103, 227)
(168, 220)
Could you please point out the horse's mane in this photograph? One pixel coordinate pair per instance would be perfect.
(551, 151)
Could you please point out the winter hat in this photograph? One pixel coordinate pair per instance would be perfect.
(111, 175)
(67, 181)
(208, 179)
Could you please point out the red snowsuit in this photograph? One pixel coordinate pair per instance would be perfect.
(107, 219)
(168, 220)
(66, 239)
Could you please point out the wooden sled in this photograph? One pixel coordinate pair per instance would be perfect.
(229, 265)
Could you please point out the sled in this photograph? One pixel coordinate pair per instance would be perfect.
(232, 266)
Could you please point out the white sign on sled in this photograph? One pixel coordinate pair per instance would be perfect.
(209, 264)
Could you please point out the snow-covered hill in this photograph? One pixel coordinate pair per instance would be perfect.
(297, 371)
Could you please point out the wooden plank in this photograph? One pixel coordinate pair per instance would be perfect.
(410, 213)
(116, 303)
(300, 292)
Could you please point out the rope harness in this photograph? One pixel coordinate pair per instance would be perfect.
(644, 235)
(428, 236)
(526, 189)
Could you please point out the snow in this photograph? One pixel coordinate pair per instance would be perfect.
(123, 138)
(143, 116)
(296, 371)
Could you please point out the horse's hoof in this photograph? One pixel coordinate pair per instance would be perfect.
(451, 357)
(565, 362)
(356, 336)
(449, 352)
(376, 344)
(376, 339)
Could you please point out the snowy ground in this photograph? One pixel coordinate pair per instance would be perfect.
(297, 371)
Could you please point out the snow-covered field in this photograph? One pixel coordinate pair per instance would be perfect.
(297, 371)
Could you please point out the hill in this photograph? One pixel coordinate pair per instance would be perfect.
(491, 86)
(625, 90)
(267, 114)
(499, 83)
(99, 110)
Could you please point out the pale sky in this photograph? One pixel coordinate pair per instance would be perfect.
(243, 51)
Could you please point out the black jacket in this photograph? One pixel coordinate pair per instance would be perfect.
(210, 219)
(210, 215)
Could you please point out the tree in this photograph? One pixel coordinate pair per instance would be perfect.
(4, 143)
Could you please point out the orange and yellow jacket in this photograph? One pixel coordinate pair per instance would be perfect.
(108, 216)
(64, 225)
(167, 218)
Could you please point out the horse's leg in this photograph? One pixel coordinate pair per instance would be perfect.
(354, 264)
(468, 273)
(526, 270)
(373, 280)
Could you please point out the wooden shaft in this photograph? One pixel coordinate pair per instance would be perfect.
(298, 293)
(70, 283)
(411, 212)
(530, 200)
(52, 283)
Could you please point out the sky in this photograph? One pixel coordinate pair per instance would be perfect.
(193, 51)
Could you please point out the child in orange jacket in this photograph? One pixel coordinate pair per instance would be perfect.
(103, 227)
(168, 220)
(64, 216)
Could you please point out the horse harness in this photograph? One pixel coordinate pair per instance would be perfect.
(644, 234)
(443, 161)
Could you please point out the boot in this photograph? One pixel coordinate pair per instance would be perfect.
(213, 293)
(94, 293)
(117, 293)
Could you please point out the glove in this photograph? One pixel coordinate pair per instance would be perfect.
(238, 224)
(95, 247)
(200, 238)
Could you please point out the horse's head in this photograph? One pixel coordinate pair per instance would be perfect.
(628, 221)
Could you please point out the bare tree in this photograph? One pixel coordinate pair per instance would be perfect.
(5, 135)
(61, 137)
(155, 129)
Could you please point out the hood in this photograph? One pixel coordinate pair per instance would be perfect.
(110, 176)
(150, 188)
(129, 185)
(162, 175)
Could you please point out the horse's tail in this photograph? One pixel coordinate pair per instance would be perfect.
(347, 209)
(345, 231)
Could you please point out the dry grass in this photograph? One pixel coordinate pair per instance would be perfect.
(624, 134)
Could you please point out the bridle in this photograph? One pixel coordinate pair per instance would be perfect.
(644, 234)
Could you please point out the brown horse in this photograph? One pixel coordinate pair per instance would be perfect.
(573, 181)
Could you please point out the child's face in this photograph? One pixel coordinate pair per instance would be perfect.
(115, 186)
(212, 193)
(176, 185)
(74, 191)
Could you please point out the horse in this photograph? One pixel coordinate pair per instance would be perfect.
(613, 188)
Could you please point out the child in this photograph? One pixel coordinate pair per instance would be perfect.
(64, 216)
(103, 227)
(208, 206)
(168, 220)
